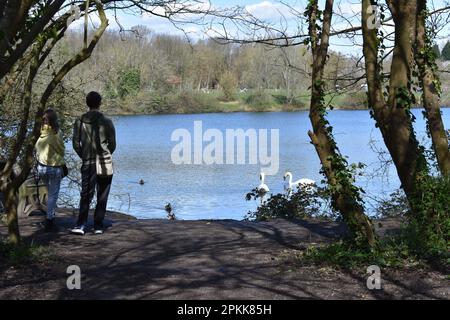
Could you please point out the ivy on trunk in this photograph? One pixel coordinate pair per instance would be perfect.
(345, 195)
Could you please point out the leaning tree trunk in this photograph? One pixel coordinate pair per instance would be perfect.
(15, 179)
(430, 84)
(345, 196)
(11, 214)
(393, 116)
(40, 54)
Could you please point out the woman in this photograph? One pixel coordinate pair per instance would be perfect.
(50, 158)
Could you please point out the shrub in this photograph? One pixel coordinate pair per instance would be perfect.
(196, 102)
(314, 202)
(260, 100)
(289, 104)
(228, 83)
(181, 102)
(129, 82)
(428, 229)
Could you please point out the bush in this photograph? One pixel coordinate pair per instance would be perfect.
(428, 229)
(228, 83)
(260, 100)
(196, 102)
(289, 104)
(314, 202)
(129, 82)
(181, 102)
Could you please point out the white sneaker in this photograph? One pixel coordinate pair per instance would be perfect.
(78, 230)
(98, 231)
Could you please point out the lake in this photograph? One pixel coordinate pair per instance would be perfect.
(217, 191)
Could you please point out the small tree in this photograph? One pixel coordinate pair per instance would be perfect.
(445, 54)
(228, 83)
(129, 82)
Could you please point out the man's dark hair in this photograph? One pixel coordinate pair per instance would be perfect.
(93, 100)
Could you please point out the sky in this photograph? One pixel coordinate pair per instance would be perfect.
(272, 12)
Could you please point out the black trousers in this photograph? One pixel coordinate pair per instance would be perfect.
(89, 183)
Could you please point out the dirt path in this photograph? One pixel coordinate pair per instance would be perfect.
(158, 259)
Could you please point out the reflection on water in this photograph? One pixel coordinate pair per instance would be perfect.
(218, 191)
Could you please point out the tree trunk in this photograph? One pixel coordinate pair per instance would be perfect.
(11, 184)
(11, 214)
(431, 91)
(393, 116)
(345, 196)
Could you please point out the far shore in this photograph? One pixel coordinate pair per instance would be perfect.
(241, 110)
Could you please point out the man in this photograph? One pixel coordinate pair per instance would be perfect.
(94, 140)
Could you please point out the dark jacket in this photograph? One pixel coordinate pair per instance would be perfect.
(93, 134)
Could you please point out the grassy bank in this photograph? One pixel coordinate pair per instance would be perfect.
(183, 102)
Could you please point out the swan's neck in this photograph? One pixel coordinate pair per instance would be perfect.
(290, 178)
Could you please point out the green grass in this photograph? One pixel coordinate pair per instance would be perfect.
(342, 254)
(24, 253)
(391, 252)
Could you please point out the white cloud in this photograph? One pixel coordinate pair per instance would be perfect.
(268, 10)
(348, 8)
(94, 21)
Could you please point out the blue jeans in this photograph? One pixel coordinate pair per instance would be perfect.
(52, 176)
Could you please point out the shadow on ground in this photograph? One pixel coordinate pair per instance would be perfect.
(226, 259)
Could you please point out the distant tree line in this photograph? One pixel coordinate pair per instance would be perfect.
(139, 66)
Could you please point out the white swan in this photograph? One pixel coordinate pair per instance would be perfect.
(262, 188)
(306, 183)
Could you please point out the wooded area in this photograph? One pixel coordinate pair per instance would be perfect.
(146, 72)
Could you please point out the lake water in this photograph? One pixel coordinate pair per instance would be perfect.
(218, 191)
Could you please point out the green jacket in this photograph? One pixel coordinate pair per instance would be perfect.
(93, 134)
(50, 148)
